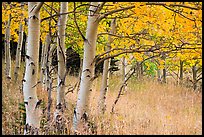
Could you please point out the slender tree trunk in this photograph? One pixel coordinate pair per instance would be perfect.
(41, 65)
(159, 75)
(181, 72)
(31, 101)
(45, 60)
(105, 77)
(88, 66)
(194, 70)
(5, 46)
(18, 52)
(19, 47)
(124, 71)
(8, 52)
(61, 57)
(138, 69)
(49, 76)
(141, 71)
(164, 75)
(80, 71)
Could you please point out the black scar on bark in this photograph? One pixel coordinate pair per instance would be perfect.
(27, 127)
(32, 63)
(25, 102)
(38, 103)
(87, 70)
(33, 72)
(28, 57)
(23, 80)
(34, 17)
(85, 116)
(75, 113)
(59, 106)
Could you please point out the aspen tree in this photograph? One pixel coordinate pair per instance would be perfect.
(44, 62)
(31, 101)
(5, 49)
(88, 65)
(124, 71)
(61, 57)
(181, 71)
(19, 46)
(49, 79)
(106, 66)
(194, 71)
(8, 52)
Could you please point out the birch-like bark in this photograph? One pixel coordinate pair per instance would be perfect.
(18, 52)
(80, 71)
(159, 75)
(49, 80)
(19, 47)
(88, 65)
(105, 77)
(45, 59)
(5, 46)
(8, 52)
(31, 73)
(61, 56)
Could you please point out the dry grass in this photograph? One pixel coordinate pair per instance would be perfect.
(148, 107)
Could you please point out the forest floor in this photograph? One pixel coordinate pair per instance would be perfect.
(147, 108)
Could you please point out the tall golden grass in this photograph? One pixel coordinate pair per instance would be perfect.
(147, 107)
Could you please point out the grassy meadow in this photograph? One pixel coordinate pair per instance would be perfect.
(147, 108)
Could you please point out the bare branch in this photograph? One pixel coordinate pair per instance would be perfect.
(50, 16)
(58, 14)
(83, 37)
(115, 11)
(178, 13)
(100, 7)
(37, 8)
(174, 5)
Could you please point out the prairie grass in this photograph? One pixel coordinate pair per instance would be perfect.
(148, 107)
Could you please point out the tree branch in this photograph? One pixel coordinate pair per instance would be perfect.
(178, 13)
(83, 37)
(114, 11)
(174, 5)
(37, 8)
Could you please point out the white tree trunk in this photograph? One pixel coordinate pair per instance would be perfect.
(30, 79)
(61, 56)
(18, 52)
(106, 66)
(5, 46)
(45, 59)
(49, 78)
(19, 46)
(88, 65)
(159, 77)
(8, 52)
(47, 62)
